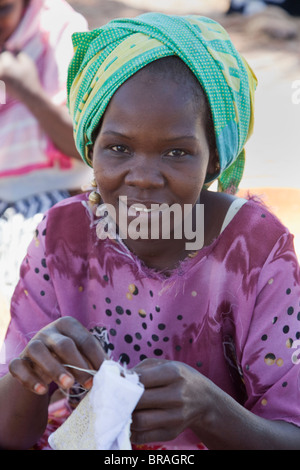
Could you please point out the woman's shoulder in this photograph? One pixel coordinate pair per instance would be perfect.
(256, 213)
(70, 220)
(73, 204)
(243, 224)
(252, 228)
(251, 209)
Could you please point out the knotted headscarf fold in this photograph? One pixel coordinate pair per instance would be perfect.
(106, 57)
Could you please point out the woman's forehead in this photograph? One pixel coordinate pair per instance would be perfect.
(142, 95)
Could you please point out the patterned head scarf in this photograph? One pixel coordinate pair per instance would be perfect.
(106, 57)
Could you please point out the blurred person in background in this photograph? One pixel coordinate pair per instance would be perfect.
(39, 164)
(249, 7)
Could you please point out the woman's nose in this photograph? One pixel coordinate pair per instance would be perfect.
(145, 173)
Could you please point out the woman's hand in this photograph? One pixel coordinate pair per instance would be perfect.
(176, 397)
(20, 75)
(64, 341)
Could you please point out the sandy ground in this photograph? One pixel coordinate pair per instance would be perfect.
(270, 42)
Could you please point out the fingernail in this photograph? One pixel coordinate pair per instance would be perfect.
(89, 383)
(40, 389)
(66, 381)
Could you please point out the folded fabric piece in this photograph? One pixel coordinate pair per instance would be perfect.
(102, 419)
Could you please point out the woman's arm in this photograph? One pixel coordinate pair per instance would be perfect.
(177, 397)
(22, 82)
(23, 415)
(53, 119)
(228, 425)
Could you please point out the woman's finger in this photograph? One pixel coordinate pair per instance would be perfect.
(155, 425)
(158, 398)
(49, 354)
(20, 370)
(64, 351)
(88, 346)
(45, 366)
(157, 373)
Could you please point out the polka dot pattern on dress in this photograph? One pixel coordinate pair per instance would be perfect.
(149, 334)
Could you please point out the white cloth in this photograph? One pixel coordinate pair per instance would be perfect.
(102, 419)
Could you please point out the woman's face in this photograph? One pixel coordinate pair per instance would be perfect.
(151, 147)
(11, 12)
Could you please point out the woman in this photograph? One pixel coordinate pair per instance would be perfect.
(209, 331)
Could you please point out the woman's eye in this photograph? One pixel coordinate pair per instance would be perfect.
(176, 153)
(5, 10)
(120, 149)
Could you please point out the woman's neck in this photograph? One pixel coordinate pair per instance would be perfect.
(166, 254)
(161, 255)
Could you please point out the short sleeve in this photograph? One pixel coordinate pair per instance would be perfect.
(58, 21)
(34, 302)
(271, 355)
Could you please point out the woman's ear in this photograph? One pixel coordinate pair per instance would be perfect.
(213, 168)
(91, 154)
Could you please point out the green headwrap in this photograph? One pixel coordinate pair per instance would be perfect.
(106, 57)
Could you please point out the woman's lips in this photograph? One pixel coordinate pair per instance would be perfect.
(145, 208)
(134, 208)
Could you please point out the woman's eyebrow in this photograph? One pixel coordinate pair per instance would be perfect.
(180, 137)
(165, 139)
(119, 135)
(111, 132)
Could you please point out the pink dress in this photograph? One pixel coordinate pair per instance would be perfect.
(232, 312)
